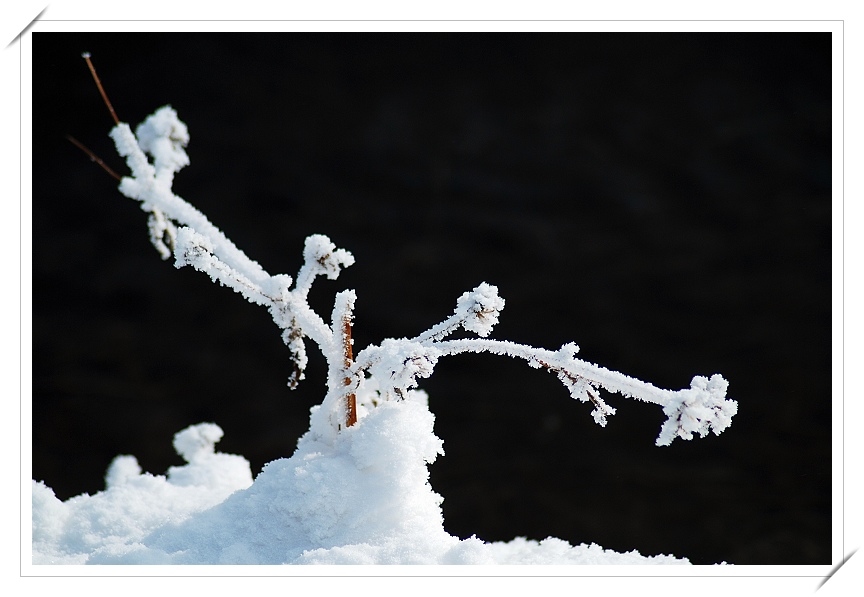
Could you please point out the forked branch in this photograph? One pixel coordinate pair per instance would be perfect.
(393, 367)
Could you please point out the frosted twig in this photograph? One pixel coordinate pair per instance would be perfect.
(700, 408)
(476, 311)
(178, 228)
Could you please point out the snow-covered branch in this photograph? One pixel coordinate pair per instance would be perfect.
(178, 229)
(700, 408)
(394, 366)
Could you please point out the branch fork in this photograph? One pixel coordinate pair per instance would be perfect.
(390, 370)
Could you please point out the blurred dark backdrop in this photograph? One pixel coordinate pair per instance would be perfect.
(663, 200)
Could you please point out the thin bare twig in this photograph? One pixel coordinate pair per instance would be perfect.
(86, 57)
(93, 156)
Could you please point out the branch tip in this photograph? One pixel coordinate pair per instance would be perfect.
(86, 57)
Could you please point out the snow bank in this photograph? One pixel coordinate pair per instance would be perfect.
(364, 499)
(134, 504)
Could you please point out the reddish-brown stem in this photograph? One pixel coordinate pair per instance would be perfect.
(86, 57)
(350, 397)
(93, 156)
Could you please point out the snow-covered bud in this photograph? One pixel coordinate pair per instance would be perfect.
(479, 309)
(320, 257)
(163, 135)
(324, 257)
(698, 409)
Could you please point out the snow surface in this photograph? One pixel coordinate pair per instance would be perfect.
(364, 499)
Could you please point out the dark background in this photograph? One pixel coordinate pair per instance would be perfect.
(663, 200)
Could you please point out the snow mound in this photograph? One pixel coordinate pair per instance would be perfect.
(364, 499)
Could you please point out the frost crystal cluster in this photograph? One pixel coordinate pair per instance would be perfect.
(356, 489)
